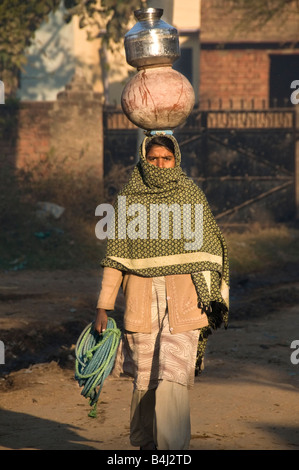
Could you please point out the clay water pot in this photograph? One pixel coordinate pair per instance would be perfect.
(158, 98)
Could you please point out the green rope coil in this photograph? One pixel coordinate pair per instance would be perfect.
(95, 357)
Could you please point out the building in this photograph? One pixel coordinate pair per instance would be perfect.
(252, 65)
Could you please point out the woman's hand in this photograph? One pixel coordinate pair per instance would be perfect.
(101, 320)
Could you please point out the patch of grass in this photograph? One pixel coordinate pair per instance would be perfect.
(260, 249)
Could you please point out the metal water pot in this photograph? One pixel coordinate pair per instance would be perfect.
(152, 41)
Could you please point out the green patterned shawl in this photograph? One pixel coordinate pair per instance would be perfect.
(133, 248)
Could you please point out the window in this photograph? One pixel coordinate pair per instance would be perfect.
(184, 64)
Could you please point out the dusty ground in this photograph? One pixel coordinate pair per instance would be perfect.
(246, 398)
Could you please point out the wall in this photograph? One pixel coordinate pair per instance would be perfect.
(50, 60)
(234, 75)
(70, 128)
(219, 25)
(57, 52)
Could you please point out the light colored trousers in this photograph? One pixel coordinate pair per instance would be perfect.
(161, 416)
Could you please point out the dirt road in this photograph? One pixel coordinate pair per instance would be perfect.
(246, 398)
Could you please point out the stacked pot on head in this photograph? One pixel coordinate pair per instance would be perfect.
(157, 97)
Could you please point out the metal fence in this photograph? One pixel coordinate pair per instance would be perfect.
(244, 159)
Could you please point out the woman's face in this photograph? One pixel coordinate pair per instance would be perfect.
(160, 157)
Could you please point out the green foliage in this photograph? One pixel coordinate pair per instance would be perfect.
(18, 22)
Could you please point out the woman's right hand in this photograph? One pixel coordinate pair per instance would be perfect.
(100, 323)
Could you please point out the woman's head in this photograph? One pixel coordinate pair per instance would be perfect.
(160, 152)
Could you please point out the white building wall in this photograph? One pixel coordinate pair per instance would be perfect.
(51, 62)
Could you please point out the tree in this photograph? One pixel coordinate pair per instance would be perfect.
(114, 14)
(18, 23)
(20, 19)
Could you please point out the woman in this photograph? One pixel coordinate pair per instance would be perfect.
(172, 265)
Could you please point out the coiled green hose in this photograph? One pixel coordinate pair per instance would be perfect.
(95, 357)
